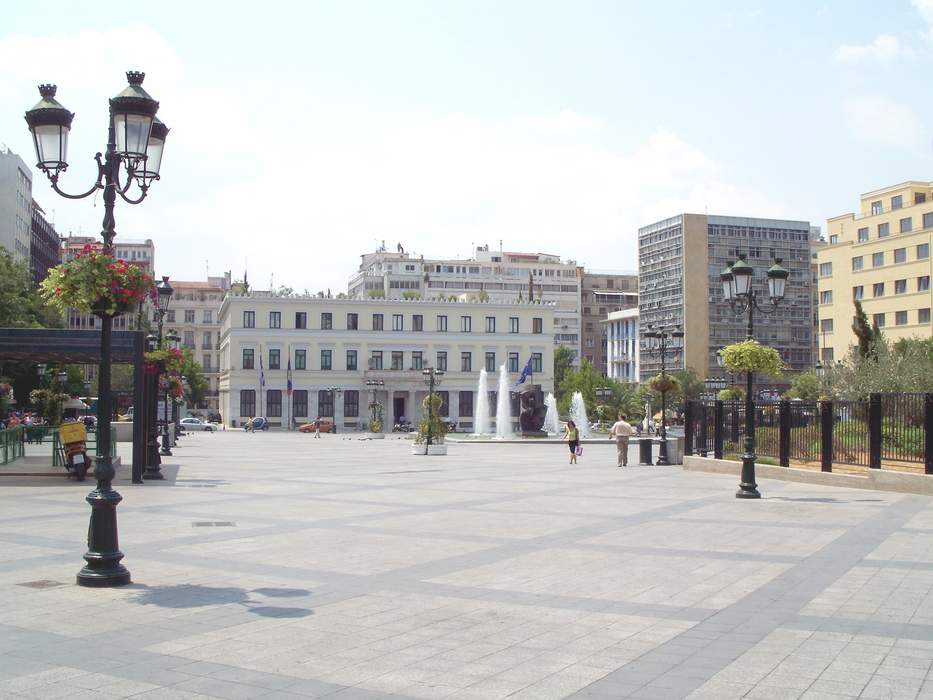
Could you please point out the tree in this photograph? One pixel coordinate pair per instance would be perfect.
(197, 382)
(563, 363)
(691, 386)
(868, 336)
(805, 386)
(889, 368)
(20, 304)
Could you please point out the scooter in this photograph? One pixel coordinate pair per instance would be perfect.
(402, 427)
(74, 449)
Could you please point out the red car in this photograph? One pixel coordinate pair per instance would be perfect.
(327, 426)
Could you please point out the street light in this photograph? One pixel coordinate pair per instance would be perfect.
(128, 145)
(432, 377)
(163, 299)
(151, 414)
(374, 385)
(173, 340)
(738, 291)
(334, 390)
(661, 340)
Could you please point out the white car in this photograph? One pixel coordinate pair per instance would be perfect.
(196, 424)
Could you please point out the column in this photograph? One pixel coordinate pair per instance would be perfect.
(338, 410)
(454, 406)
(412, 411)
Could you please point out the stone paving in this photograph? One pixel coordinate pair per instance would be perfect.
(280, 566)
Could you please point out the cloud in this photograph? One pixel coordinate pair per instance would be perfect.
(925, 8)
(886, 48)
(567, 120)
(880, 121)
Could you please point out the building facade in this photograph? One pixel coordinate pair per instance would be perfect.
(15, 205)
(45, 248)
(881, 257)
(680, 260)
(602, 293)
(348, 353)
(623, 353)
(489, 274)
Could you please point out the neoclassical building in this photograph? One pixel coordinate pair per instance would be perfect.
(347, 353)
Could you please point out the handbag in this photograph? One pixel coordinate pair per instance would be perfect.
(579, 450)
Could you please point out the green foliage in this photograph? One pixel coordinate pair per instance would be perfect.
(483, 296)
(376, 294)
(732, 393)
(805, 386)
(904, 366)
(48, 402)
(563, 364)
(197, 382)
(752, 356)
(375, 426)
(691, 386)
(663, 383)
(411, 294)
(95, 280)
(624, 397)
(437, 426)
(20, 305)
(868, 336)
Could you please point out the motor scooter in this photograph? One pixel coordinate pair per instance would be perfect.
(74, 449)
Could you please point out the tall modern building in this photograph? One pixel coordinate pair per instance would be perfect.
(495, 275)
(880, 257)
(45, 249)
(602, 293)
(679, 263)
(15, 205)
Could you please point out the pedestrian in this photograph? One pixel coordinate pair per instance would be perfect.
(317, 427)
(622, 431)
(572, 435)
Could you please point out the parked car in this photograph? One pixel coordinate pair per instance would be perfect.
(254, 424)
(196, 424)
(327, 426)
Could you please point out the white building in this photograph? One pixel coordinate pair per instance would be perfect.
(346, 353)
(15, 205)
(496, 275)
(622, 344)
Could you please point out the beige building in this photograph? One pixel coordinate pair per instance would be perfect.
(882, 258)
(344, 353)
(602, 293)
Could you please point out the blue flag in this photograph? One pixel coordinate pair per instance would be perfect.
(288, 376)
(262, 374)
(526, 372)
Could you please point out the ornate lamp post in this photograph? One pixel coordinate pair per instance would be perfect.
(661, 340)
(737, 290)
(163, 299)
(174, 341)
(432, 377)
(374, 385)
(136, 144)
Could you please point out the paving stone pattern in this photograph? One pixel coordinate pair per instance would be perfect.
(277, 566)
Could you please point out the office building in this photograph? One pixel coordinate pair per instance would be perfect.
(880, 257)
(680, 260)
(45, 249)
(15, 205)
(345, 353)
(602, 293)
(622, 346)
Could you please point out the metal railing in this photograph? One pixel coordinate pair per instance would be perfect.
(11, 444)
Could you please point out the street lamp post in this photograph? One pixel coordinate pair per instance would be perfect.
(334, 391)
(174, 340)
(663, 339)
(737, 290)
(135, 140)
(163, 299)
(432, 377)
(373, 385)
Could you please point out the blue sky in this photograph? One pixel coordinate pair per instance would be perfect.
(303, 133)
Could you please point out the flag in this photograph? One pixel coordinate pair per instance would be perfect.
(526, 372)
(288, 378)
(262, 374)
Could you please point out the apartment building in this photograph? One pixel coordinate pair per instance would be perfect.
(881, 257)
(495, 275)
(45, 249)
(622, 347)
(15, 205)
(602, 293)
(346, 353)
(680, 260)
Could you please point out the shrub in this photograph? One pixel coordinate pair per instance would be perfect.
(752, 356)
(732, 393)
(662, 383)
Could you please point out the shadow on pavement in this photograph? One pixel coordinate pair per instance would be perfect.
(194, 596)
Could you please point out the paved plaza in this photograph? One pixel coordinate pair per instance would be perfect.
(280, 566)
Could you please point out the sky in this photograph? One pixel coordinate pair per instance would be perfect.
(303, 134)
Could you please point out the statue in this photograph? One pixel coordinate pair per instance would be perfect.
(533, 411)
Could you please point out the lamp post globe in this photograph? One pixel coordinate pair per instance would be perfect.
(742, 274)
(132, 113)
(50, 123)
(777, 281)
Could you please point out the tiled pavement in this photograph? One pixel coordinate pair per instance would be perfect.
(278, 566)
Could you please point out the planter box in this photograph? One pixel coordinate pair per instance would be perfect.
(429, 449)
(373, 436)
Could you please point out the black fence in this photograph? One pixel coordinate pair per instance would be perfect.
(887, 428)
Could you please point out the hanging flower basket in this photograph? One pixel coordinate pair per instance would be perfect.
(663, 383)
(732, 393)
(172, 386)
(96, 282)
(169, 360)
(752, 356)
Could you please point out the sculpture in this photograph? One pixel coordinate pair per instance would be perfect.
(533, 410)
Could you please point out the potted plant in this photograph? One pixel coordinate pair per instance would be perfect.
(662, 383)
(94, 281)
(731, 393)
(375, 421)
(430, 423)
(752, 356)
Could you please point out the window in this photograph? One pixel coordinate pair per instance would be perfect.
(417, 322)
(513, 324)
(537, 362)
(827, 355)
(327, 359)
(207, 316)
(863, 234)
(301, 359)
(206, 337)
(444, 410)
(442, 324)
(375, 359)
(826, 297)
(351, 403)
(833, 239)
(189, 315)
(490, 324)
(826, 325)
(878, 320)
(906, 225)
(170, 316)
(351, 360)
(325, 403)
(900, 318)
(490, 362)
(537, 325)
(249, 319)
(877, 259)
(466, 324)
(923, 283)
(876, 208)
(466, 404)
(900, 255)
(275, 319)
(826, 269)
(300, 402)
(442, 360)
(900, 286)
(857, 263)
(188, 341)
(398, 360)
(928, 220)
(884, 230)
(327, 321)
(923, 315)
(274, 403)
(417, 359)
(920, 197)
(275, 358)
(513, 362)
(466, 362)
(377, 322)
(858, 292)
(248, 402)
(923, 251)
(878, 289)
(398, 322)
(249, 356)
(897, 202)
(353, 322)
(301, 319)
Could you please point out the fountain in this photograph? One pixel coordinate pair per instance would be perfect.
(481, 424)
(578, 415)
(551, 419)
(503, 406)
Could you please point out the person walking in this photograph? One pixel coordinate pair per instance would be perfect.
(572, 435)
(622, 431)
(317, 427)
